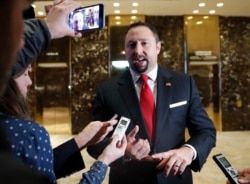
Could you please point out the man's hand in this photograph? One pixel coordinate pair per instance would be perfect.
(137, 148)
(174, 161)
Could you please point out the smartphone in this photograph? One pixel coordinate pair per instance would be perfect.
(226, 168)
(87, 18)
(121, 127)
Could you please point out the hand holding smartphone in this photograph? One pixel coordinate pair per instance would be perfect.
(87, 18)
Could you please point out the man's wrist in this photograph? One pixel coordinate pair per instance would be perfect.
(194, 151)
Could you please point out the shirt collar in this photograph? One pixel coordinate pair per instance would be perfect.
(152, 74)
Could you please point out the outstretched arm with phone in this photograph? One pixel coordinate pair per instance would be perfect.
(98, 170)
(38, 33)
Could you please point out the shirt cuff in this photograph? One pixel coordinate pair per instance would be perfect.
(195, 152)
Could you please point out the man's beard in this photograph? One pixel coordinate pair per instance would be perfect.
(139, 69)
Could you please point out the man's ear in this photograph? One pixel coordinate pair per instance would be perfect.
(158, 47)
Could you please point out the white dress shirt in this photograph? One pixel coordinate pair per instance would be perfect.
(153, 86)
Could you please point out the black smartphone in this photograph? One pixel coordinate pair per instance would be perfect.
(87, 18)
(226, 168)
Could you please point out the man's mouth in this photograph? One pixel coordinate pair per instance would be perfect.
(140, 62)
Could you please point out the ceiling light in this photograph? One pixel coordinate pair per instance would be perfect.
(202, 4)
(117, 11)
(220, 4)
(199, 22)
(33, 5)
(133, 11)
(190, 17)
(196, 11)
(117, 17)
(212, 11)
(116, 4)
(205, 17)
(133, 17)
(135, 4)
(118, 23)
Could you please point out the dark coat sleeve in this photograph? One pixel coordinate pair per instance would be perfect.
(37, 38)
(67, 159)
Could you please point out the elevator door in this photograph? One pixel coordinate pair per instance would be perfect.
(53, 97)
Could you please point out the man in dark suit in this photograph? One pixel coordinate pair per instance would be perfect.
(168, 156)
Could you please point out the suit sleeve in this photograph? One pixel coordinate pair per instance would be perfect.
(67, 159)
(201, 129)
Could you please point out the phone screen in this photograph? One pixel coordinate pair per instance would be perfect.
(87, 18)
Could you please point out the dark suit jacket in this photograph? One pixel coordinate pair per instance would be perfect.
(67, 159)
(178, 107)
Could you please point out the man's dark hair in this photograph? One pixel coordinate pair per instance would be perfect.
(149, 26)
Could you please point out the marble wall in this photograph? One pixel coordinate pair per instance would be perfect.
(235, 75)
(89, 63)
(171, 33)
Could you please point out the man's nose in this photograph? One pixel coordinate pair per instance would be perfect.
(138, 48)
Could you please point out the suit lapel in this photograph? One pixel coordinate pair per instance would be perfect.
(130, 99)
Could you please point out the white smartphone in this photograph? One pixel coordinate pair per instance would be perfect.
(87, 18)
(121, 127)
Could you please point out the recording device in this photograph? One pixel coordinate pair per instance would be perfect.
(226, 168)
(87, 18)
(121, 127)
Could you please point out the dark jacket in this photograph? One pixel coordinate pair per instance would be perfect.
(67, 157)
(37, 38)
(118, 96)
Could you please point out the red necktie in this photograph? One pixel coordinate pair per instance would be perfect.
(147, 105)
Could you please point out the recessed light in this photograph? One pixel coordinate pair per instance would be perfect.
(134, 11)
(116, 4)
(202, 4)
(190, 17)
(212, 11)
(220, 4)
(133, 17)
(196, 11)
(135, 4)
(117, 11)
(117, 17)
(205, 17)
(199, 22)
(118, 23)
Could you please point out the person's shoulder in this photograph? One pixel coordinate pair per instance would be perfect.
(173, 73)
(115, 78)
(23, 125)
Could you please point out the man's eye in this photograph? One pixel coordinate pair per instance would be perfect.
(145, 44)
(131, 45)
